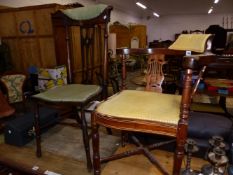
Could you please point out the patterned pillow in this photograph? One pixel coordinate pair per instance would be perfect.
(14, 84)
(50, 78)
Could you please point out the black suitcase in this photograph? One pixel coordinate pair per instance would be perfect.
(19, 131)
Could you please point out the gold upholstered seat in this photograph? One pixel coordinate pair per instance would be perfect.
(127, 103)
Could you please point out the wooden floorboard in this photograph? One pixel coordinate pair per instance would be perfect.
(26, 157)
(67, 166)
(140, 165)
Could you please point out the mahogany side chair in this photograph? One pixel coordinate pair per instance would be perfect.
(150, 112)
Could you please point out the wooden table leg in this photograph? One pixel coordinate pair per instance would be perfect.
(37, 130)
(86, 139)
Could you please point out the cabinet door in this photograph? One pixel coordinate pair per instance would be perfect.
(122, 35)
(139, 31)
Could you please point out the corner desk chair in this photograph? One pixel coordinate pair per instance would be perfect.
(151, 112)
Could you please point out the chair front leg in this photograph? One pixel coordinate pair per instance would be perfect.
(37, 130)
(95, 145)
(179, 152)
(182, 128)
(86, 139)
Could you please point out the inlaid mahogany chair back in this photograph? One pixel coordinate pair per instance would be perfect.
(150, 112)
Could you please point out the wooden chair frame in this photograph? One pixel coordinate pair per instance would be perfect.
(178, 131)
(63, 45)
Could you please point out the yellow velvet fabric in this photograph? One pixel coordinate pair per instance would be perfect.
(191, 42)
(142, 105)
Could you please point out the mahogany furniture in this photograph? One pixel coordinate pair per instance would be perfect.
(140, 51)
(150, 115)
(80, 35)
(71, 95)
(81, 41)
(148, 112)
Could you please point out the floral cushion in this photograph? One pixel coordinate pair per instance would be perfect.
(50, 78)
(14, 84)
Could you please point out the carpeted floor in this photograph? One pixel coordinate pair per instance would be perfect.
(67, 141)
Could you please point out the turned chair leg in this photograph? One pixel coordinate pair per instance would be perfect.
(86, 139)
(95, 144)
(180, 151)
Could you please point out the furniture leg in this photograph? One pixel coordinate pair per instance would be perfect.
(178, 156)
(124, 138)
(37, 130)
(95, 145)
(109, 131)
(222, 103)
(77, 117)
(181, 135)
(86, 139)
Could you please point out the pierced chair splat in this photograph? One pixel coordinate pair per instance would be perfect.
(154, 73)
(148, 112)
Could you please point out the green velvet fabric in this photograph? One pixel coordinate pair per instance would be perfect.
(85, 13)
(69, 93)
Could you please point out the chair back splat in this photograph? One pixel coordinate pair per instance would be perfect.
(154, 73)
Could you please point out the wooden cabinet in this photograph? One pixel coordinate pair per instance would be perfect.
(124, 34)
(139, 31)
(28, 33)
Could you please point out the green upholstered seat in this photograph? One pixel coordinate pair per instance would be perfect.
(142, 105)
(69, 93)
